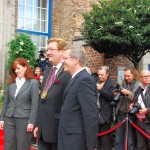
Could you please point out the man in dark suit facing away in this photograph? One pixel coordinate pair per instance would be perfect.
(50, 102)
(78, 125)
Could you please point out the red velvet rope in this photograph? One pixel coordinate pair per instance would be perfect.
(120, 124)
(140, 130)
(112, 129)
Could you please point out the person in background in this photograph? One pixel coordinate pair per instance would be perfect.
(143, 111)
(78, 125)
(105, 89)
(129, 86)
(50, 102)
(42, 61)
(40, 82)
(95, 76)
(20, 107)
(38, 75)
(37, 72)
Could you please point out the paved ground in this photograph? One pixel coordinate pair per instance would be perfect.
(35, 147)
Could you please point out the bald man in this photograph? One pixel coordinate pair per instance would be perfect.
(143, 114)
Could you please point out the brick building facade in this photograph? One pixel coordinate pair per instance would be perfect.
(66, 23)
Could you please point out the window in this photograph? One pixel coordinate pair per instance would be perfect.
(34, 17)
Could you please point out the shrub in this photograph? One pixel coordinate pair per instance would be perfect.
(22, 46)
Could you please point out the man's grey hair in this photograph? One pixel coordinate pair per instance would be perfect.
(78, 52)
(106, 68)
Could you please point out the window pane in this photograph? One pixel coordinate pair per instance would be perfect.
(37, 3)
(44, 3)
(43, 26)
(29, 2)
(21, 11)
(40, 41)
(28, 13)
(43, 41)
(36, 25)
(39, 13)
(35, 13)
(28, 24)
(20, 23)
(36, 40)
(43, 14)
(21, 1)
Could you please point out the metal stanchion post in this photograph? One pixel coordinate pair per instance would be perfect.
(126, 133)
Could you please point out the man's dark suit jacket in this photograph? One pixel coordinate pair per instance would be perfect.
(106, 96)
(146, 101)
(78, 126)
(49, 108)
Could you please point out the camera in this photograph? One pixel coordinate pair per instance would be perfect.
(135, 109)
(136, 106)
(118, 89)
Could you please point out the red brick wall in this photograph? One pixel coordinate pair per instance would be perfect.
(96, 59)
(116, 62)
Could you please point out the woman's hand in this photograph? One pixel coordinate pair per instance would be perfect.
(30, 127)
(36, 132)
(1, 125)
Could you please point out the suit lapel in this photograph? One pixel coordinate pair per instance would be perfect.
(72, 80)
(25, 85)
(148, 90)
(68, 86)
(13, 88)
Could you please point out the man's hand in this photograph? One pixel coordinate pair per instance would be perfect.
(143, 111)
(99, 86)
(30, 127)
(36, 132)
(125, 91)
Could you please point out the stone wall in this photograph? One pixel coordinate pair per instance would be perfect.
(7, 30)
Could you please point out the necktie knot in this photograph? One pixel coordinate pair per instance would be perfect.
(54, 68)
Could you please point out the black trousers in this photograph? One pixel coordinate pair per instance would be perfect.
(105, 141)
(46, 146)
(142, 142)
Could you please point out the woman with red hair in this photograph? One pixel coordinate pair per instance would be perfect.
(20, 106)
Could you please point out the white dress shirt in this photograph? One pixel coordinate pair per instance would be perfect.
(19, 83)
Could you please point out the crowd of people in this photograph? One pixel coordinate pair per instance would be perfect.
(65, 106)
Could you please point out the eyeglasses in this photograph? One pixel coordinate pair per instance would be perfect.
(146, 76)
(51, 49)
(65, 58)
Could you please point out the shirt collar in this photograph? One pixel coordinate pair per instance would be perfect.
(77, 72)
(58, 66)
(20, 80)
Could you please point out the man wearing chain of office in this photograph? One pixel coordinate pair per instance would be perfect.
(129, 86)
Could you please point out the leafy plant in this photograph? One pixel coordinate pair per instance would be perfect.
(119, 27)
(2, 97)
(22, 46)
